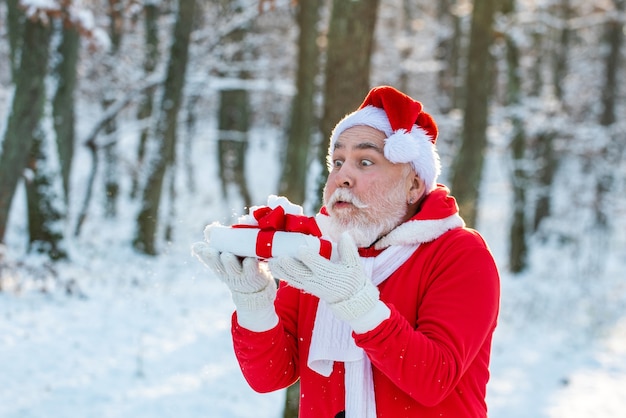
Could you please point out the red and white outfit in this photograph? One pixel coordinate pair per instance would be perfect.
(430, 358)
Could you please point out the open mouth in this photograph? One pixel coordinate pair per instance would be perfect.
(344, 200)
(342, 204)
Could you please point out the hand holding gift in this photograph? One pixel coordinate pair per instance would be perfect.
(236, 255)
(342, 284)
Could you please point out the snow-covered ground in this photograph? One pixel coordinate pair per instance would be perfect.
(148, 337)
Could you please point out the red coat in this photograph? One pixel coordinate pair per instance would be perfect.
(429, 359)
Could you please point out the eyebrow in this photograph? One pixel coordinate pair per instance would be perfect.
(362, 146)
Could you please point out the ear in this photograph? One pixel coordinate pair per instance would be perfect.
(416, 191)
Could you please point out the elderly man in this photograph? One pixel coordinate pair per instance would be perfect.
(401, 323)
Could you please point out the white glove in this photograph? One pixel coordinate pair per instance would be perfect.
(252, 287)
(343, 285)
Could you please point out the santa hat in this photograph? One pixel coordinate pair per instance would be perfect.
(411, 133)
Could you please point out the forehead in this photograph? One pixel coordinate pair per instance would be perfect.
(361, 137)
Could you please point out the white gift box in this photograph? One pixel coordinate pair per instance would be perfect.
(254, 242)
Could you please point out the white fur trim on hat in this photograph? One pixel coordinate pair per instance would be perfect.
(371, 116)
(413, 147)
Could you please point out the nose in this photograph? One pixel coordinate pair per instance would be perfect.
(344, 177)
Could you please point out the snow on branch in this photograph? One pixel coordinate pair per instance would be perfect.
(113, 110)
(551, 21)
(70, 12)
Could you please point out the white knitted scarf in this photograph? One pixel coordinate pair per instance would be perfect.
(332, 339)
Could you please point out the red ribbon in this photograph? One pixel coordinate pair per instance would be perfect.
(272, 220)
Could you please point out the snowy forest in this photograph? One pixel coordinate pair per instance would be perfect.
(126, 126)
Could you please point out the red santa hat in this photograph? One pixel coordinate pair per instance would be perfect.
(411, 133)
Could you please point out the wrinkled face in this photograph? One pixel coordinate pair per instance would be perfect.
(365, 193)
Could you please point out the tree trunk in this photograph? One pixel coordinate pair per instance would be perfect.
(26, 111)
(111, 156)
(605, 179)
(15, 26)
(467, 169)
(296, 161)
(448, 53)
(234, 110)
(82, 214)
(562, 50)
(406, 32)
(144, 114)
(116, 24)
(518, 247)
(165, 133)
(545, 162)
(614, 37)
(63, 102)
(292, 401)
(192, 110)
(46, 207)
(233, 126)
(347, 72)
(542, 149)
(111, 161)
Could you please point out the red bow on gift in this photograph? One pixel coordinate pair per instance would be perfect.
(272, 220)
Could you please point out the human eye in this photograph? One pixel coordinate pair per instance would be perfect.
(337, 163)
(366, 162)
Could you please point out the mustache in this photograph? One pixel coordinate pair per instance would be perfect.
(344, 195)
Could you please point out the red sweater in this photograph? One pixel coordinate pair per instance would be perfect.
(429, 359)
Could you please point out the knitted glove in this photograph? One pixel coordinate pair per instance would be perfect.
(343, 285)
(252, 287)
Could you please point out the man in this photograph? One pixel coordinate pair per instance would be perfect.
(401, 325)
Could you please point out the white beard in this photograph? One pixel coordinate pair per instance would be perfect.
(363, 235)
(370, 223)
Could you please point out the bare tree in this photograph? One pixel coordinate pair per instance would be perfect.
(46, 208)
(303, 115)
(614, 38)
(449, 55)
(94, 146)
(562, 49)
(63, 106)
(165, 132)
(234, 115)
(144, 113)
(546, 161)
(115, 12)
(25, 113)
(233, 126)
(15, 25)
(467, 169)
(518, 247)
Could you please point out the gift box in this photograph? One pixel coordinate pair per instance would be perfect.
(276, 230)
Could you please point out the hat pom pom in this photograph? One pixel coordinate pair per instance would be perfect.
(416, 148)
(400, 147)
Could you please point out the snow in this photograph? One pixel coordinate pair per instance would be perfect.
(117, 334)
(157, 349)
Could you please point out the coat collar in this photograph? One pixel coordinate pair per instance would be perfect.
(439, 213)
